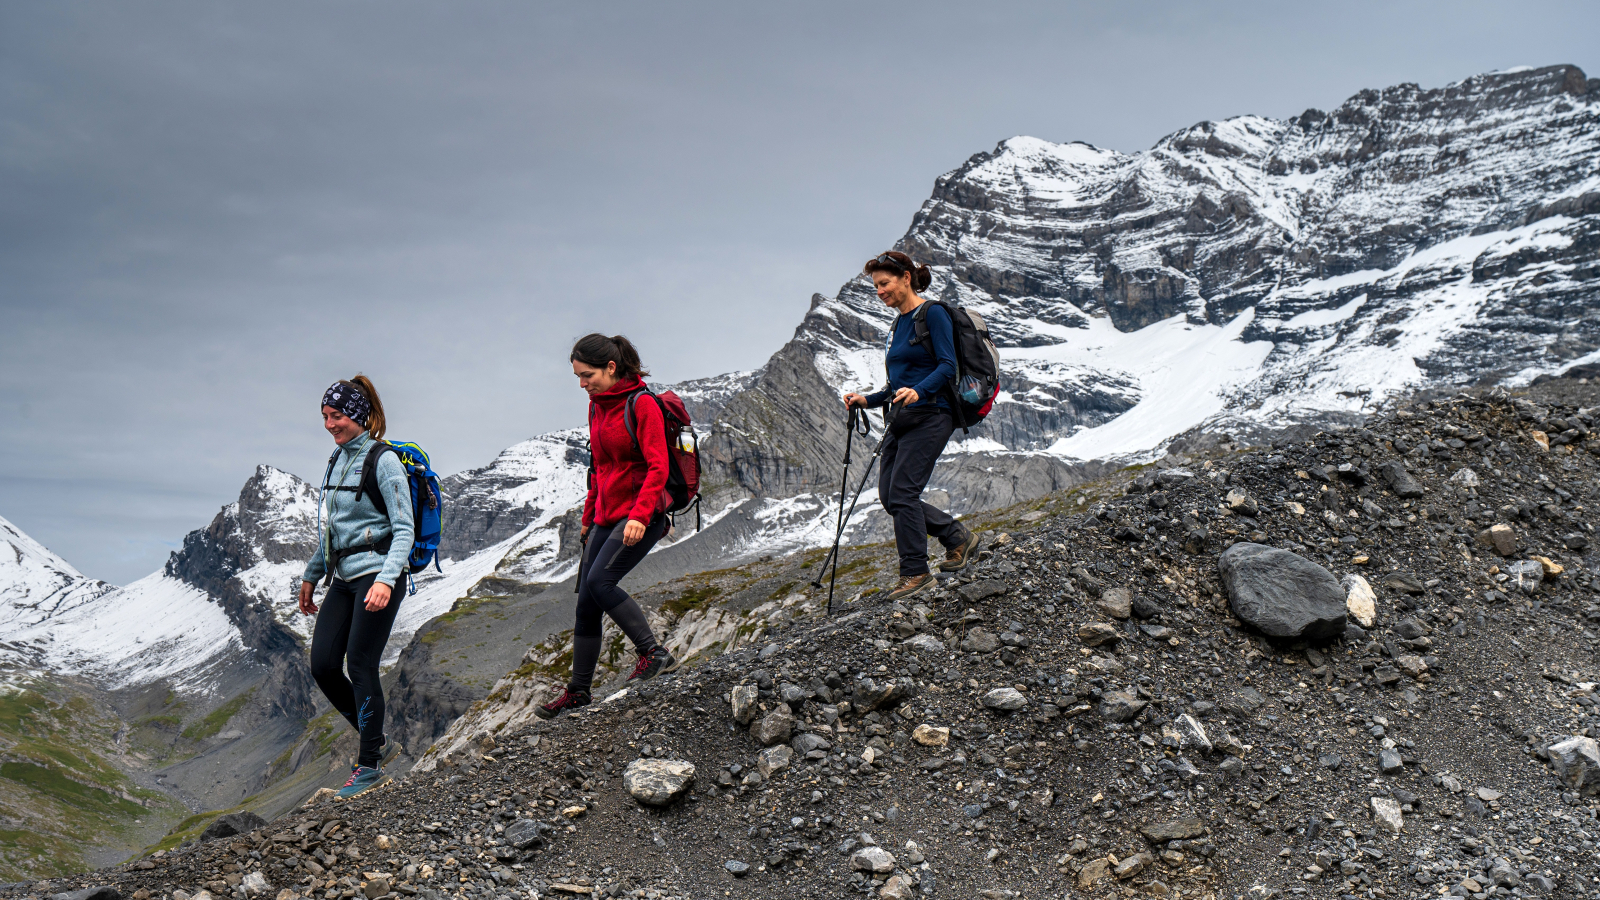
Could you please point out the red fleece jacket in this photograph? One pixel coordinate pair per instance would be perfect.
(628, 482)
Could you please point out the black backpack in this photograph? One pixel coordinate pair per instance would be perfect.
(972, 391)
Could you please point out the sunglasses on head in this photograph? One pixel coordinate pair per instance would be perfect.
(886, 259)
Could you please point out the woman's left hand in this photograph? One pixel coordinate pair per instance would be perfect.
(905, 397)
(377, 596)
(632, 532)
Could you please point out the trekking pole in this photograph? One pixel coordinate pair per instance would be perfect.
(583, 552)
(857, 422)
(833, 557)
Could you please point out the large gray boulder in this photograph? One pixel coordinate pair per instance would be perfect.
(1282, 594)
(232, 824)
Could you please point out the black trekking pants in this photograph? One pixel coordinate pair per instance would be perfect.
(916, 438)
(348, 636)
(605, 561)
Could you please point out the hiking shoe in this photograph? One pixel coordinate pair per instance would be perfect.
(362, 779)
(912, 585)
(389, 750)
(956, 558)
(657, 662)
(569, 700)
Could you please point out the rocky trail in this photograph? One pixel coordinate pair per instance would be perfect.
(1096, 709)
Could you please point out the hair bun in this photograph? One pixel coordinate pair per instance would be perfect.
(921, 277)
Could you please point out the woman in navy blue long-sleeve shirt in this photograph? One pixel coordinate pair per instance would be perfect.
(920, 374)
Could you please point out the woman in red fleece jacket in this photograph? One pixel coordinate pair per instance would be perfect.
(622, 517)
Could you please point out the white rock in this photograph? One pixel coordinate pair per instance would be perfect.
(1577, 761)
(926, 643)
(1464, 478)
(1191, 734)
(1386, 812)
(872, 859)
(744, 703)
(1360, 601)
(255, 884)
(774, 759)
(931, 735)
(658, 782)
(1006, 699)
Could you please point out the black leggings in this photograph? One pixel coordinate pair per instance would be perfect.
(605, 561)
(915, 440)
(348, 635)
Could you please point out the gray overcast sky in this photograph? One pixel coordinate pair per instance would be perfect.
(209, 211)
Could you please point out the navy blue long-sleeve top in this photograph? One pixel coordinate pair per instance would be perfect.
(927, 370)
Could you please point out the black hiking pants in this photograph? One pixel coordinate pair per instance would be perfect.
(916, 438)
(605, 561)
(348, 636)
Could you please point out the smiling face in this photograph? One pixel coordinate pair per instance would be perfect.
(342, 427)
(593, 380)
(894, 290)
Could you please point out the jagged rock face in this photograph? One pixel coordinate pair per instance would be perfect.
(1240, 273)
(248, 561)
(532, 481)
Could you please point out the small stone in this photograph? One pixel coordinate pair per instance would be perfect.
(1550, 566)
(925, 643)
(1098, 633)
(385, 842)
(1399, 480)
(979, 591)
(1121, 706)
(1464, 477)
(1176, 830)
(1577, 762)
(1191, 734)
(1241, 503)
(102, 892)
(1404, 582)
(1117, 603)
(1093, 871)
(872, 859)
(1132, 866)
(376, 887)
(573, 812)
(774, 727)
(980, 641)
(1390, 763)
(1540, 438)
(744, 697)
(737, 868)
(1525, 575)
(1500, 538)
(1411, 665)
(898, 887)
(522, 834)
(931, 735)
(1488, 795)
(657, 782)
(806, 743)
(1359, 600)
(1005, 700)
(1386, 812)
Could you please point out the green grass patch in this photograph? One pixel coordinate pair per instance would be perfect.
(73, 793)
(214, 720)
(694, 598)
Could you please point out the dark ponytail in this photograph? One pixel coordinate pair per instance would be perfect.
(376, 424)
(598, 350)
(896, 263)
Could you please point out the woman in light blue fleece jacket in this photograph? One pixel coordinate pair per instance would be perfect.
(362, 553)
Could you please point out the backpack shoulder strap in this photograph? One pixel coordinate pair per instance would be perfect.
(369, 476)
(919, 321)
(628, 417)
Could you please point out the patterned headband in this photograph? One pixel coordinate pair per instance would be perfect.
(349, 401)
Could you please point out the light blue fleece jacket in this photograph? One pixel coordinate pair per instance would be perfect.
(349, 519)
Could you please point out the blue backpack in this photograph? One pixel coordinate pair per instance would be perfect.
(426, 507)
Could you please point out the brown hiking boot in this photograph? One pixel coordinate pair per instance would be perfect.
(956, 558)
(912, 585)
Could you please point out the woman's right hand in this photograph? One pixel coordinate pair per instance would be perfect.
(854, 399)
(307, 606)
(584, 534)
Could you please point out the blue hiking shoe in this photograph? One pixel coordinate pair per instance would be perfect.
(362, 779)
